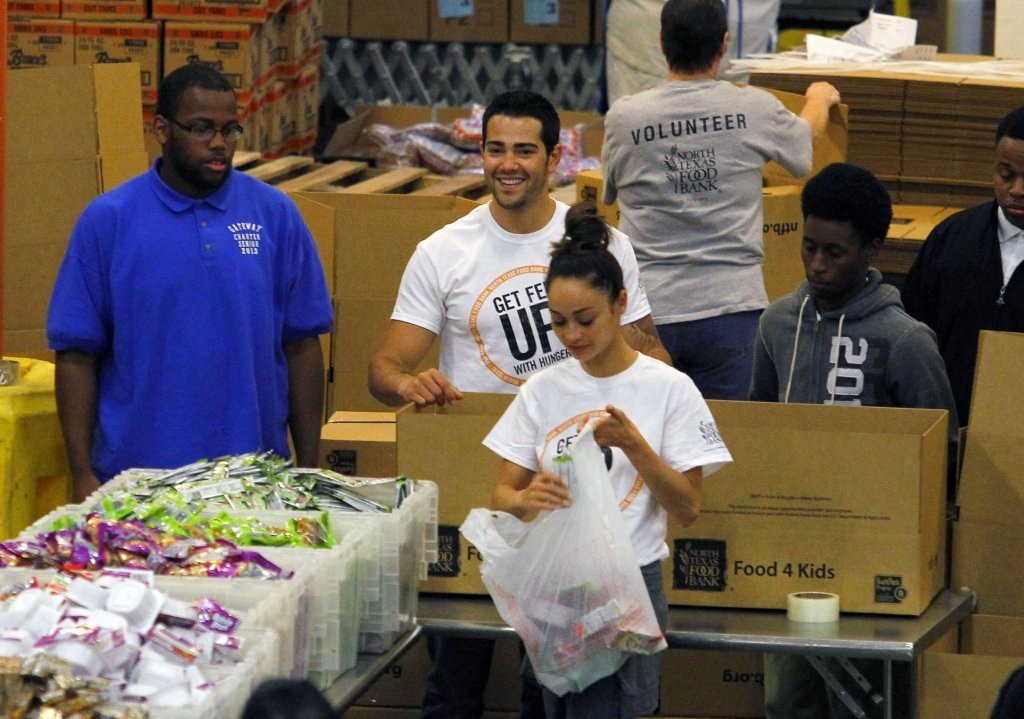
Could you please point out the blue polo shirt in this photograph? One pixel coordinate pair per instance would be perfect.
(187, 304)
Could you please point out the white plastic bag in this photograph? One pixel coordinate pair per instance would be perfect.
(568, 582)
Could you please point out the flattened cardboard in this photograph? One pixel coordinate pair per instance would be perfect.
(987, 558)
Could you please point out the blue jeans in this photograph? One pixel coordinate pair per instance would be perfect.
(632, 691)
(717, 353)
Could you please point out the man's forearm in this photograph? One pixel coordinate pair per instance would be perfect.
(642, 336)
(76, 391)
(305, 398)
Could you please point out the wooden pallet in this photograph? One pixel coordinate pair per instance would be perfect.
(294, 173)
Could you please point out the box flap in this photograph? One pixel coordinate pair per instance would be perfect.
(118, 87)
(320, 221)
(828, 149)
(484, 404)
(349, 416)
(997, 403)
(991, 487)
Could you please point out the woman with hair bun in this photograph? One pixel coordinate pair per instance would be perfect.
(659, 439)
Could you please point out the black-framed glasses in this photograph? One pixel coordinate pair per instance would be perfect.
(204, 133)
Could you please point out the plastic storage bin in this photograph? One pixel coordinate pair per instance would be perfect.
(261, 649)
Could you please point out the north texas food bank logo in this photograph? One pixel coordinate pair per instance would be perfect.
(513, 312)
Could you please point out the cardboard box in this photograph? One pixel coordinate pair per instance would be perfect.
(986, 555)
(487, 23)
(361, 444)
(83, 125)
(336, 22)
(109, 41)
(231, 11)
(966, 684)
(231, 49)
(372, 237)
(574, 25)
(300, 35)
(40, 43)
(104, 9)
(443, 444)
(781, 518)
(840, 499)
(27, 10)
(366, 21)
(712, 684)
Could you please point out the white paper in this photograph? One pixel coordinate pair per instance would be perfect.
(822, 49)
(887, 33)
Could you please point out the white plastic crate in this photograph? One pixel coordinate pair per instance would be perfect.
(278, 605)
(234, 682)
(261, 651)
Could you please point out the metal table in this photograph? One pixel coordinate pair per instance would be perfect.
(870, 636)
(347, 688)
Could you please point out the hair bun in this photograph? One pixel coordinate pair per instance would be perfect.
(585, 230)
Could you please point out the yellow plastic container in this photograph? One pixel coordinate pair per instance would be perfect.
(34, 476)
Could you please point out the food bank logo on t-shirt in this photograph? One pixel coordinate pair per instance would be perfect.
(692, 172)
(247, 235)
(511, 325)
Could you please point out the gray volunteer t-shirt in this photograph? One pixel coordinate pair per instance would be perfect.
(684, 161)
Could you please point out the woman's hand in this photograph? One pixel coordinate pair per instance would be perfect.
(546, 491)
(617, 430)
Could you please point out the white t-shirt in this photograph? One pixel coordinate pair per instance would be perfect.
(554, 406)
(481, 289)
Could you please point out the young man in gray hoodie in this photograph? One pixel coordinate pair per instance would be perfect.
(843, 338)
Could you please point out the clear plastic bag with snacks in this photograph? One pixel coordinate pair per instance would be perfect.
(568, 582)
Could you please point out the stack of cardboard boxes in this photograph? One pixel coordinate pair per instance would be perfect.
(928, 136)
(564, 22)
(269, 49)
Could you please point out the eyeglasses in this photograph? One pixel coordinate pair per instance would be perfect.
(204, 133)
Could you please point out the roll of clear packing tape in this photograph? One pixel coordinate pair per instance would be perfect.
(812, 607)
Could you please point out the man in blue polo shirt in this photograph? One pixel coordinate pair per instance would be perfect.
(186, 312)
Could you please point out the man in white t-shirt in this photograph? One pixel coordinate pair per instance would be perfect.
(478, 284)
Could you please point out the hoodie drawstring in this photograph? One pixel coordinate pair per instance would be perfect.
(835, 362)
(796, 344)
